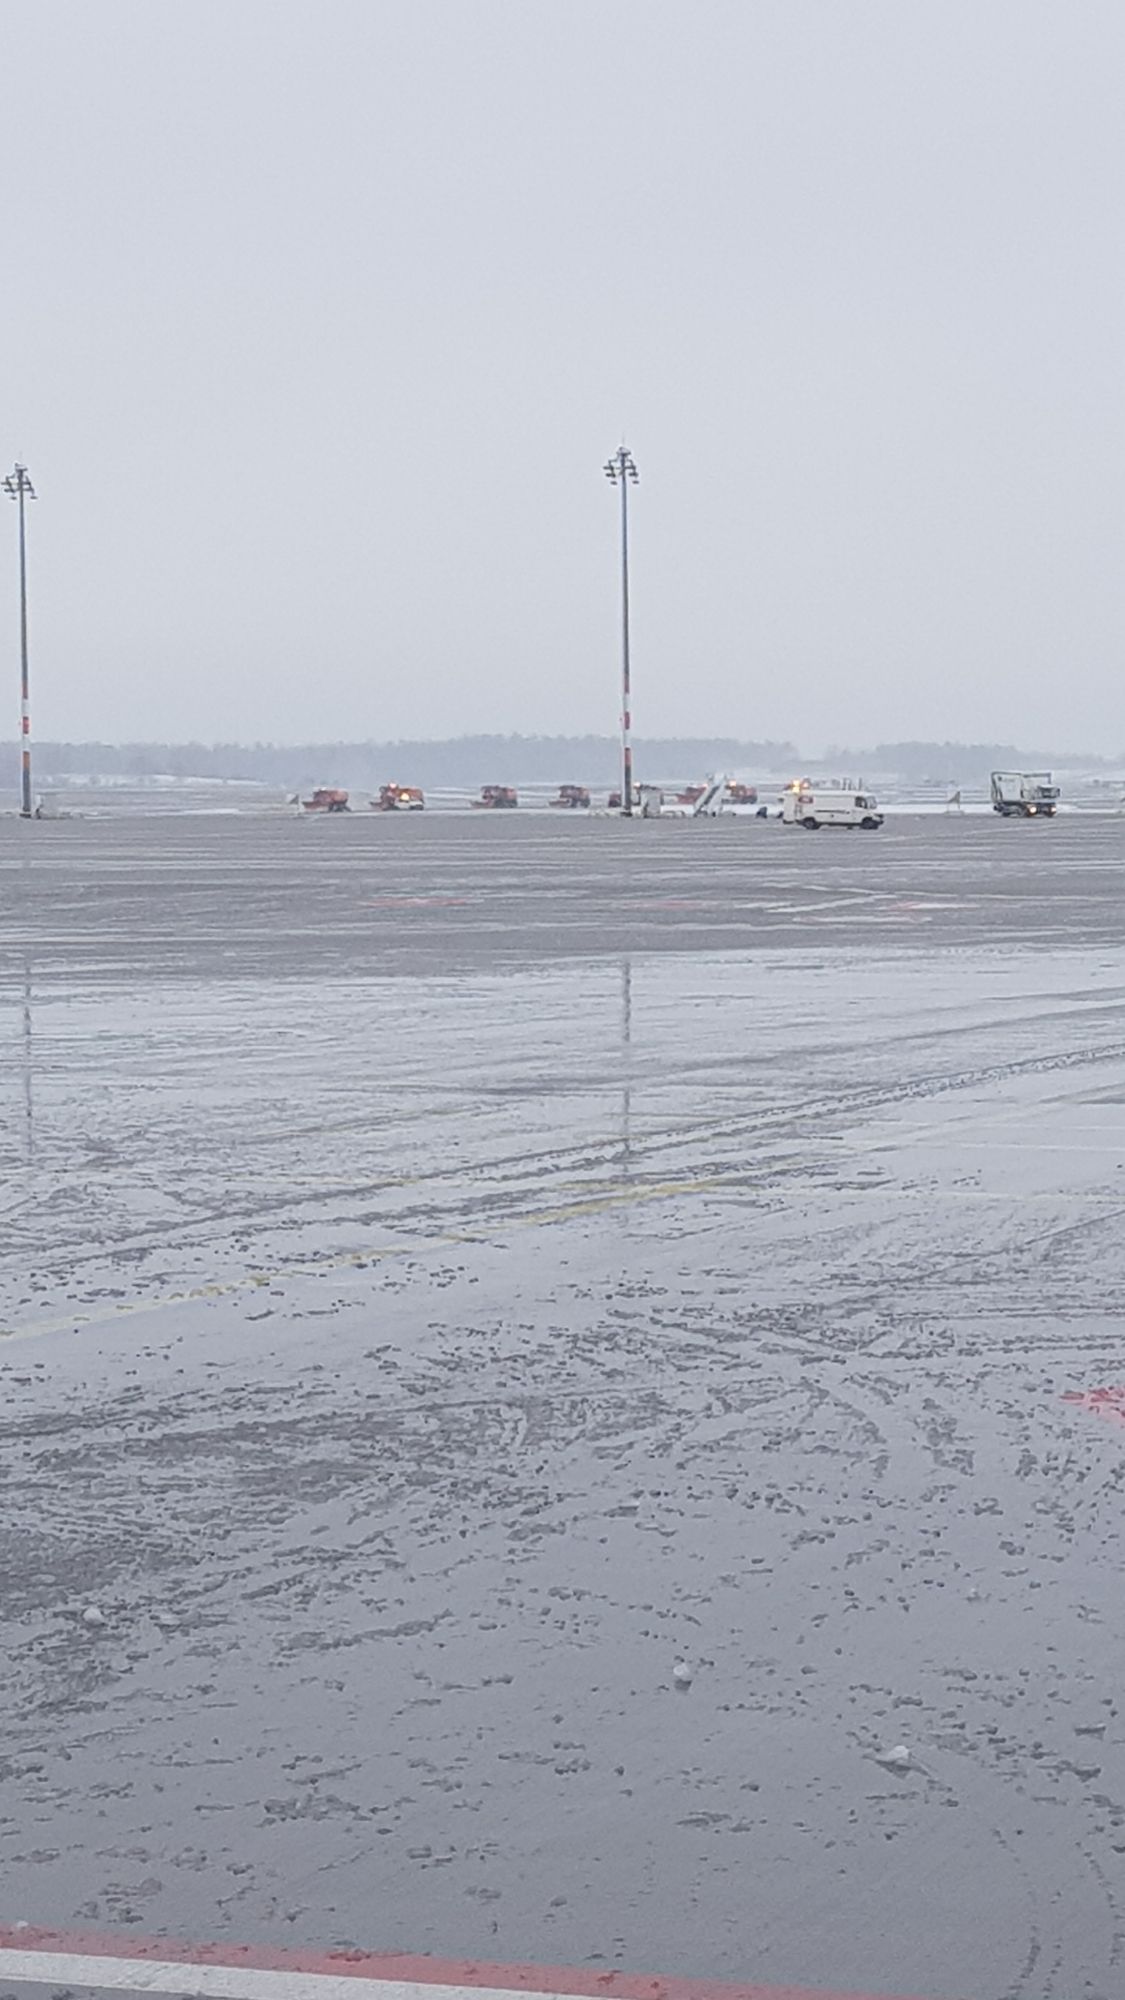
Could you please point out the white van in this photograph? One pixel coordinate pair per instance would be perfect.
(829, 805)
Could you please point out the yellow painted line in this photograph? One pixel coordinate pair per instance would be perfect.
(349, 1259)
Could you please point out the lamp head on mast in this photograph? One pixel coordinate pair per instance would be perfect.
(621, 467)
(17, 482)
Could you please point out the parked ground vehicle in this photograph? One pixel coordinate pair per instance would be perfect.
(695, 801)
(497, 797)
(572, 796)
(1024, 794)
(326, 800)
(718, 796)
(804, 804)
(399, 798)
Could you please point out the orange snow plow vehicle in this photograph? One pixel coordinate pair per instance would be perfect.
(497, 797)
(399, 798)
(572, 796)
(326, 800)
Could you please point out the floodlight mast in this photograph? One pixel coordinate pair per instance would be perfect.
(19, 488)
(622, 473)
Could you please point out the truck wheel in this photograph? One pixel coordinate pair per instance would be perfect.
(869, 825)
(810, 824)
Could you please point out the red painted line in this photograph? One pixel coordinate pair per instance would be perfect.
(1101, 1402)
(410, 1969)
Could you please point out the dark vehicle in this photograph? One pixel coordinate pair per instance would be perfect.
(497, 797)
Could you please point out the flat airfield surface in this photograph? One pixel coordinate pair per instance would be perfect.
(454, 1270)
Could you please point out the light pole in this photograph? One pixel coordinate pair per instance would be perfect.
(620, 471)
(19, 488)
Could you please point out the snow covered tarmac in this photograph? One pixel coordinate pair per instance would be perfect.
(455, 1270)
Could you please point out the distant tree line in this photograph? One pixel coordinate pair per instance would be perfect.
(471, 761)
(463, 762)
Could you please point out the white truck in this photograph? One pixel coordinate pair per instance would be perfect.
(813, 806)
(1024, 794)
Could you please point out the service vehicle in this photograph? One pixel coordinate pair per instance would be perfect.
(719, 797)
(1024, 794)
(573, 797)
(713, 801)
(399, 798)
(497, 798)
(697, 801)
(326, 799)
(814, 806)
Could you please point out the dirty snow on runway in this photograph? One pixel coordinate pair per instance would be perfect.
(454, 1274)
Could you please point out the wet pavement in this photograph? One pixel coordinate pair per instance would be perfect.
(456, 1272)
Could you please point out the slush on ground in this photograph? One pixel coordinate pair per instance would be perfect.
(562, 1393)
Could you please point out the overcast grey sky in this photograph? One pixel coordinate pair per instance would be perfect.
(319, 321)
